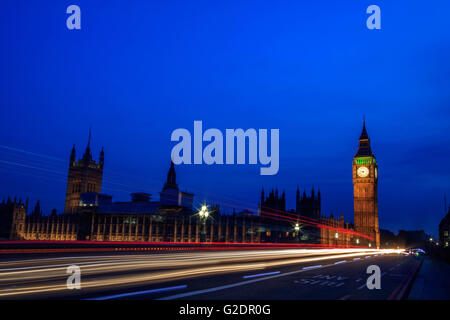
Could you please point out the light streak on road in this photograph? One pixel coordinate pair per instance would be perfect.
(19, 278)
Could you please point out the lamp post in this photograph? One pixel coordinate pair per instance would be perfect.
(297, 229)
(203, 213)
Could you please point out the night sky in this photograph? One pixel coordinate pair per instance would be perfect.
(137, 70)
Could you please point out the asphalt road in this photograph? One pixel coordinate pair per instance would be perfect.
(229, 275)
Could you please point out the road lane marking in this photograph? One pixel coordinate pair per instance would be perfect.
(312, 267)
(367, 257)
(365, 284)
(116, 296)
(355, 259)
(232, 285)
(338, 262)
(260, 275)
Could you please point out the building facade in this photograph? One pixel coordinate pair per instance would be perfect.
(91, 215)
(85, 175)
(444, 231)
(365, 191)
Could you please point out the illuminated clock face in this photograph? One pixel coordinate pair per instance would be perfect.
(362, 172)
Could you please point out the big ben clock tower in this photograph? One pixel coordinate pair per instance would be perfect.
(365, 191)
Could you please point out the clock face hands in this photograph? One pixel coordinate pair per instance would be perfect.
(363, 172)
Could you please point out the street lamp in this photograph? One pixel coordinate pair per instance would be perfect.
(203, 213)
(297, 228)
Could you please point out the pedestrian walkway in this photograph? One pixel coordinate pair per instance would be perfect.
(432, 282)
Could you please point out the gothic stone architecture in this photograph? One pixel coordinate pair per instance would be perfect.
(365, 190)
(92, 215)
(85, 175)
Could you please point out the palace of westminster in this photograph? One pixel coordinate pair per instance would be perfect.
(93, 216)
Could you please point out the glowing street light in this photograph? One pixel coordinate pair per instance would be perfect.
(203, 213)
(297, 227)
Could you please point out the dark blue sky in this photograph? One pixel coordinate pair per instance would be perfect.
(137, 70)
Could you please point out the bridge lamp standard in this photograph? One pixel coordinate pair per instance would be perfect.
(204, 214)
(297, 228)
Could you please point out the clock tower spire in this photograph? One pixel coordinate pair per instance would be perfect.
(365, 191)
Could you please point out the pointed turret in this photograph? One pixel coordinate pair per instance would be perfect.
(87, 153)
(85, 175)
(101, 160)
(364, 149)
(37, 211)
(171, 182)
(72, 156)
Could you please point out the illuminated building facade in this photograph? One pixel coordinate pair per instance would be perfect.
(91, 215)
(85, 175)
(365, 191)
(444, 231)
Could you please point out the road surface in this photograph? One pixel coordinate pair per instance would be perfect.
(231, 275)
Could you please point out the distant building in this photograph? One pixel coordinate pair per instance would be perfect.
(388, 239)
(444, 231)
(308, 206)
(12, 218)
(365, 191)
(91, 215)
(273, 203)
(412, 239)
(85, 175)
(171, 196)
